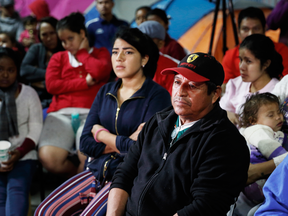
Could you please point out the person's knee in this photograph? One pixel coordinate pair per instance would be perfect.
(52, 158)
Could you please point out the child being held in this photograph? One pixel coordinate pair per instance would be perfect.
(30, 35)
(261, 122)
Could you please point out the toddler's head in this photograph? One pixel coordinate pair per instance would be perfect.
(7, 40)
(262, 109)
(30, 23)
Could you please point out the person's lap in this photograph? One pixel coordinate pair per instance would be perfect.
(70, 197)
(76, 196)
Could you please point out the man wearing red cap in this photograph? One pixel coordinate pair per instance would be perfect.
(189, 159)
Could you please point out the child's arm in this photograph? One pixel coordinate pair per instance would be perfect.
(262, 137)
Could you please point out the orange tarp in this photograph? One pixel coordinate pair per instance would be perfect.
(197, 38)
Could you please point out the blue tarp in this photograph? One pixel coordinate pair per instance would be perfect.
(184, 14)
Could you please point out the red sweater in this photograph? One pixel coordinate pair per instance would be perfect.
(165, 81)
(231, 61)
(68, 84)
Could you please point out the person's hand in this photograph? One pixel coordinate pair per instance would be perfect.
(8, 165)
(85, 44)
(134, 136)
(89, 80)
(233, 117)
(253, 174)
(95, 128)
(260, 171)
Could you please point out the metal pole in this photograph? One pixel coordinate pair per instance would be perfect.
(231, 12)
(214, 25)
(224, 27)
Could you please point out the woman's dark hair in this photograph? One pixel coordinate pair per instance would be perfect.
(28, 20)
(252, 105)
(9, 53)
(53, 22)
(145, 46)
(263, 49)
(73, 22)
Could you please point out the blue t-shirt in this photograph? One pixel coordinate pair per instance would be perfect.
(101, 33)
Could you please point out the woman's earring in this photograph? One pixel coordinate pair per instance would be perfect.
(143, 66)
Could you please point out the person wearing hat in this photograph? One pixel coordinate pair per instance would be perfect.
(189, 159)
(171, 46)
(9, 19)
(157, 33)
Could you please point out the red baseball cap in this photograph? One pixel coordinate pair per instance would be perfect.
(199, 67)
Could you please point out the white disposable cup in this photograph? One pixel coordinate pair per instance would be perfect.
(4, 149)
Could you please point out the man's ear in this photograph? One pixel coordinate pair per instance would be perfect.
(217, 94)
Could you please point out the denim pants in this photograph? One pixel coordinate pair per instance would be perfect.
(14, 188)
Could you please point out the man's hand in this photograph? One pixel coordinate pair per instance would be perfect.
(8, 165)
(134, 136)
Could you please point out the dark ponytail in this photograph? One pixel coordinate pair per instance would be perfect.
(262, 48)
(73, 22)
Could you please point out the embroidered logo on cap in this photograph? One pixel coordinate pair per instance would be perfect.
(192, 58)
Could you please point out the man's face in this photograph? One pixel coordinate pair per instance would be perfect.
(249, 26)
(190, 100)
(104, 7)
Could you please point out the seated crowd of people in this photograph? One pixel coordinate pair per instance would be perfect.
(92, 98)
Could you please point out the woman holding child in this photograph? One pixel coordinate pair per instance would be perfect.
(260, 68)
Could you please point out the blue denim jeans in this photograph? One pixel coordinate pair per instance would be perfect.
(14, 188)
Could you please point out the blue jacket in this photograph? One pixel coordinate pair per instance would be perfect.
(139, 108)
(276, 192)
